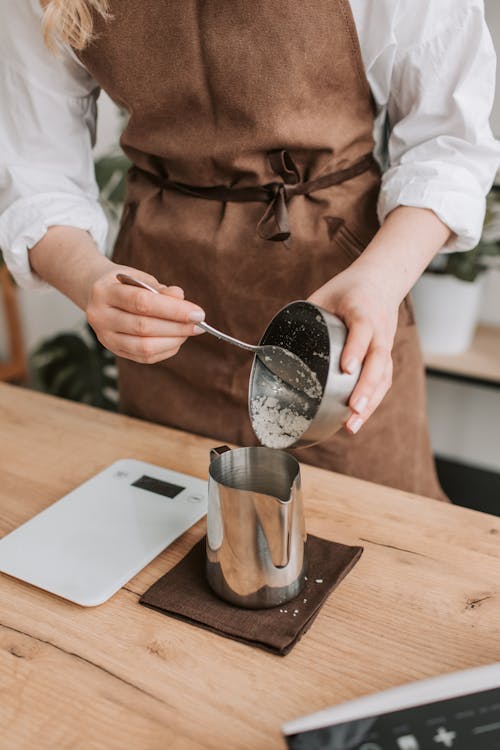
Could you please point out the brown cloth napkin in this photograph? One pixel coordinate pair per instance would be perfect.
(184, 593)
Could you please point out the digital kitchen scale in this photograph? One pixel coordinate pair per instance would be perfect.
(87, 545)
(460, 711)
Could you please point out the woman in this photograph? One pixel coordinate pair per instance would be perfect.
(230, 102)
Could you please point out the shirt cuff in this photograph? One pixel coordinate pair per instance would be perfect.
(452, 193)
(27, 220)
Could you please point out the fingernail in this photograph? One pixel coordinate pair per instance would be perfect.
(197, 329)
(197, 316)
(352, 365)
(355, 424)
(360, 404)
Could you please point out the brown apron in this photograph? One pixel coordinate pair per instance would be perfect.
(251, 120)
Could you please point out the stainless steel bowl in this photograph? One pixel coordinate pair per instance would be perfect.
(318, 338)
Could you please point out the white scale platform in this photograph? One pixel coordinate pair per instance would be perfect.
(87, 545)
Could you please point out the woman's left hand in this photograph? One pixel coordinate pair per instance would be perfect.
(370, 313)
(367, 296)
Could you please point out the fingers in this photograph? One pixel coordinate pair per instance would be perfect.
(358, 340)
(141, 325)
(372, 386)
(172, 291)
(364, 345)
(370, 316)
(380, 393)
(145, 303)
(146, 350)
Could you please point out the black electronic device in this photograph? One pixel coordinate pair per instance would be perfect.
(459, 711)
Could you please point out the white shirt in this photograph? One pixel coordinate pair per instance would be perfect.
(430, 65)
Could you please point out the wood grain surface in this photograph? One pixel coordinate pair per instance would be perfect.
(481, 361)
(423, 600)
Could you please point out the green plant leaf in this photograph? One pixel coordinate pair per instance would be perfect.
(77, 367)
(111, 173)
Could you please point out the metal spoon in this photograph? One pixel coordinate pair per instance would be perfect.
(281, 362)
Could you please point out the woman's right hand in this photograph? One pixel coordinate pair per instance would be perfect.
(137, 324)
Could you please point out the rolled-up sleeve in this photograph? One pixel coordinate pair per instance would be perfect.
(442, 155)
(47, 129)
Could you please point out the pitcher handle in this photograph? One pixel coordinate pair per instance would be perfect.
(216, 452)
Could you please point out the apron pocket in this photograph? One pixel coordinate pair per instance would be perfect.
(351, 243)
(346, 246)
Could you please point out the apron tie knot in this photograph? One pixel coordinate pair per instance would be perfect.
(275, 224)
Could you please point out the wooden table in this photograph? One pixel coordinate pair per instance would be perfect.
(423, 600)
(479, 365)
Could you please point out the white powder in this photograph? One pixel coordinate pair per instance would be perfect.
(307, 380)
(275, 425)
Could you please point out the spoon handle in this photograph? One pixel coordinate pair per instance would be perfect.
(225, 337)
(124, 278)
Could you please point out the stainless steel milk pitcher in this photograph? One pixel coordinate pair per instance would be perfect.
(256, 538)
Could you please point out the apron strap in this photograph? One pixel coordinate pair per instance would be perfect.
(274, 224)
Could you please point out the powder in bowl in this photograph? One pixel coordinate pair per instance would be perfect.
(276, 425)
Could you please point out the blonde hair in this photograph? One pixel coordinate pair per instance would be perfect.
(71, 21)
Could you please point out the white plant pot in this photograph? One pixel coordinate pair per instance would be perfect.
(446, 312)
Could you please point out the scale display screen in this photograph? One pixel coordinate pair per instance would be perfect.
(159, 486)
(468, 722)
